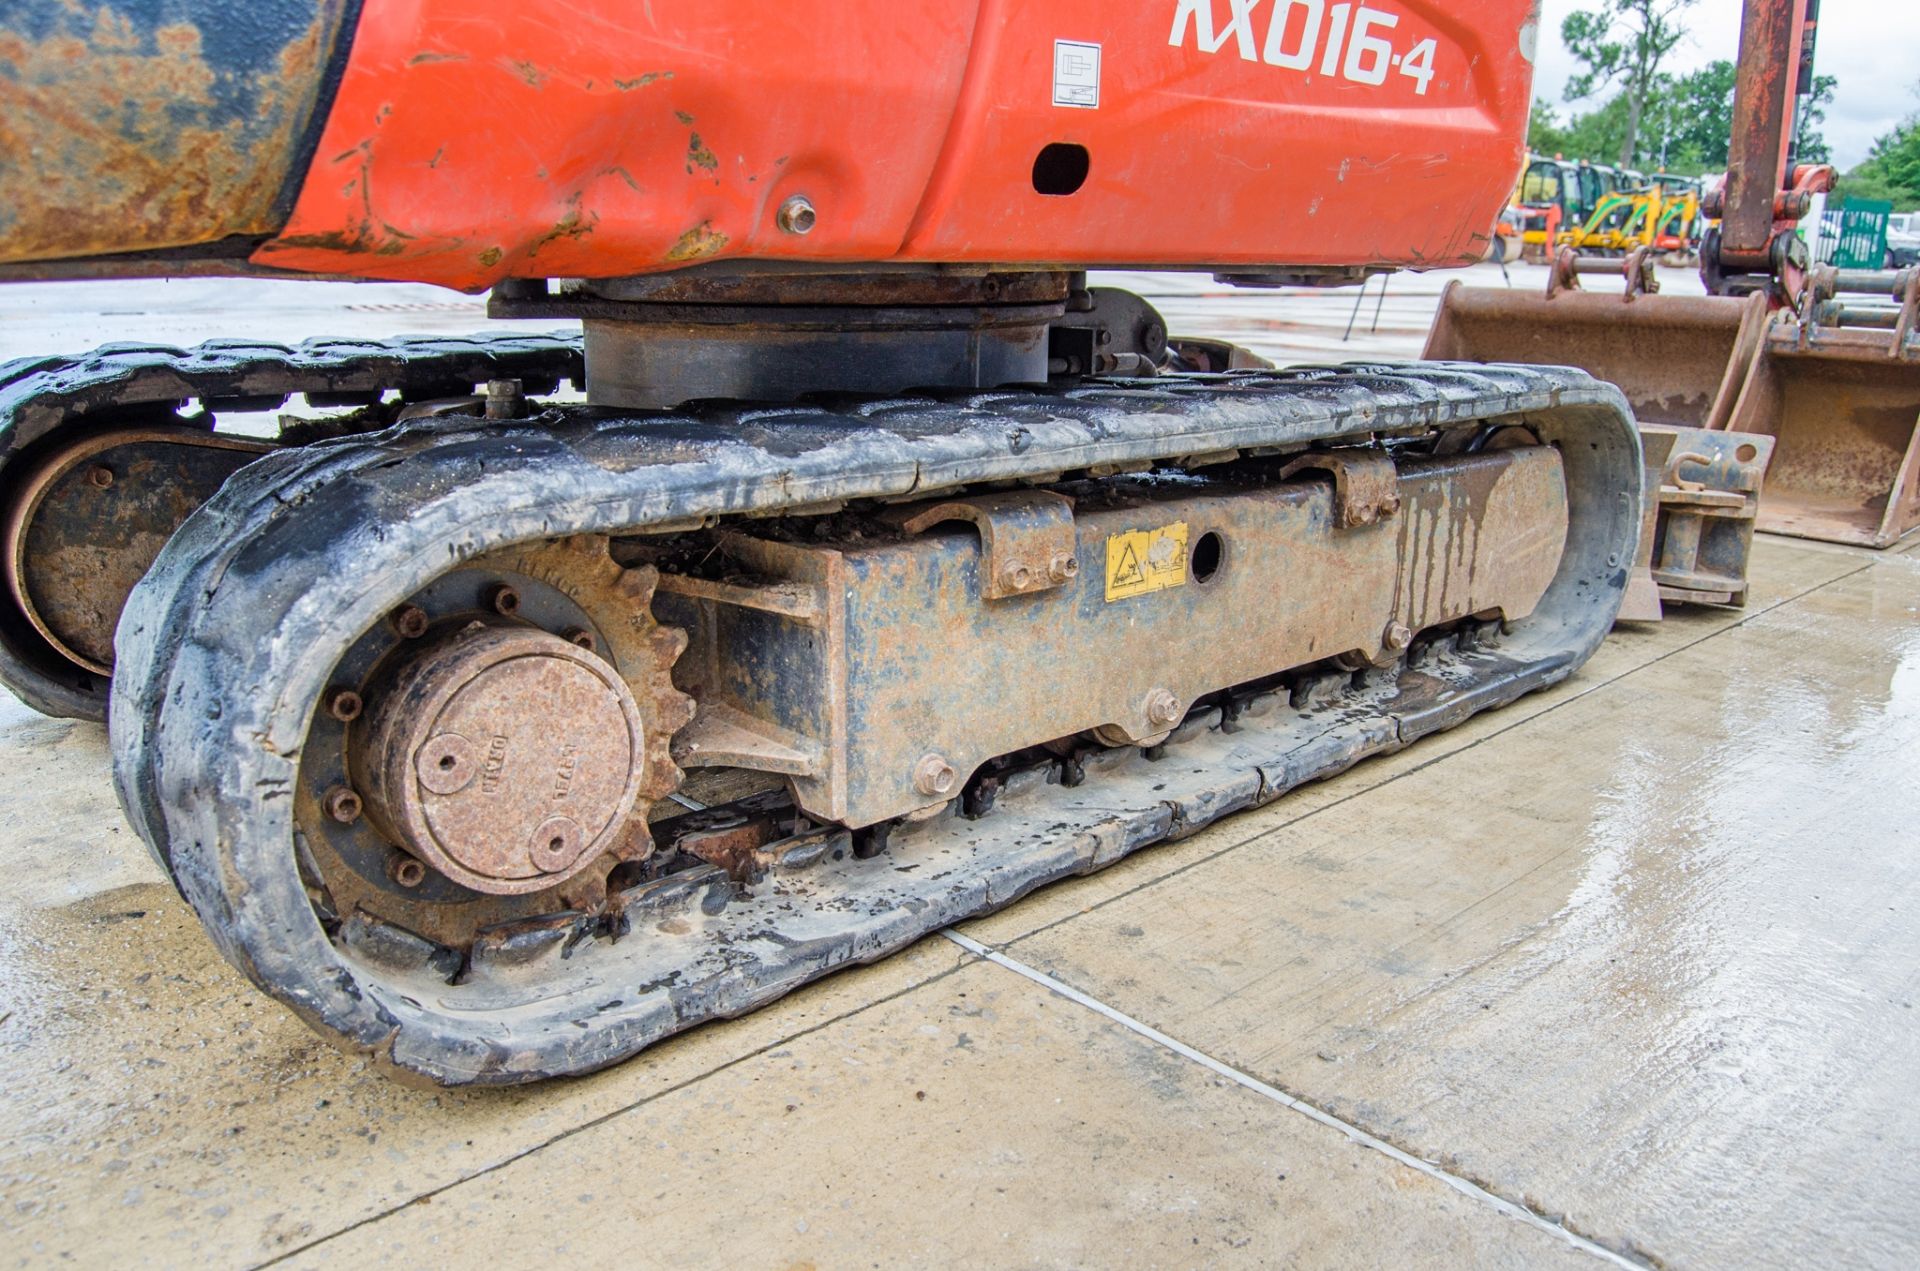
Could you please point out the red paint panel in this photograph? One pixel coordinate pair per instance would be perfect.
(476, 139)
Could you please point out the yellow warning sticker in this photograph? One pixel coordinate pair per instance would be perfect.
(1143, 561)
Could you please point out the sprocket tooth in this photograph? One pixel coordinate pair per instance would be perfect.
(676, 711)
(637, 584)
(662, 779)
(669, 643)
(637, 843)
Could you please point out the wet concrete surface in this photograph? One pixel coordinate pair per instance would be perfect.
(1626, 972)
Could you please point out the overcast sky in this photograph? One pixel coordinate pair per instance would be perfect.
(1872, 45)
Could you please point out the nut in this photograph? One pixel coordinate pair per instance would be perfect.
(344, 705)
(1398, 636)
(933, 775)
(100, 476)
(796, 215)
(1062, 567)
(342, 804)
(410, 621)
(1163, 708)
(1015, 575)
(503, 600)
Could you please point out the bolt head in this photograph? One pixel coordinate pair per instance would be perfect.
(934, 776)
(342, 804)
(407, 871)
(1398, 636)
(582, 637)
(100, 476)
(796, 215)
(503, 600)
(411, 621)
(1016, 575)
(345, 705)
(1062, 567)
(1163, 707)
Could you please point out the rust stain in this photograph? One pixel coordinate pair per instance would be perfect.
(641, 81)
(697, 243)
(423, 59)
(532, 75)
(575, 224)
(699, 155)
(117, 140)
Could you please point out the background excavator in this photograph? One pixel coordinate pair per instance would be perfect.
(874, 570)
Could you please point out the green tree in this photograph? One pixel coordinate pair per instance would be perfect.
(1624, 42)
(1545, 133)
(1809, 143)
(1694, 119)
(1892, 168)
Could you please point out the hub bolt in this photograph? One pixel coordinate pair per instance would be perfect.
(100, 477)
(933, 775)
(1163, 708)
(1398, 636)
(582, 637)
(342, 804)
(796, 215)
(344, 705)
(411, 621)
(503, 600)
(406, 870)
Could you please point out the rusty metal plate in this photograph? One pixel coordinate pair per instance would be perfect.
(910, 664)
(148, 124)
(1026, 538)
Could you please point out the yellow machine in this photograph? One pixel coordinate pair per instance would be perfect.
(1662, 216)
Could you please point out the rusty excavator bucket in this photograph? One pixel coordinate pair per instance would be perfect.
(1682, 362)
(1839, 392)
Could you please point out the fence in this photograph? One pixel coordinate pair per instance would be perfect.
(1854, 236)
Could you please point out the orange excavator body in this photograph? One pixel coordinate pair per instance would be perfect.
(459, 143)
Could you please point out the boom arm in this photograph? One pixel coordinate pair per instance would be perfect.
(1766, 192)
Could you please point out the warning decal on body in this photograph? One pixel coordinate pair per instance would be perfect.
(1143, 561)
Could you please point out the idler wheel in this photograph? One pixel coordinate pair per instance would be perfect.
(507, 758)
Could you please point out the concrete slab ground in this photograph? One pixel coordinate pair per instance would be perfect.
(1623, 974)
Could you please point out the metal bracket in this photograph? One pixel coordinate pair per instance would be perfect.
(1026, 538)
(1637, 268)
(1366, 486)
(1702, 532)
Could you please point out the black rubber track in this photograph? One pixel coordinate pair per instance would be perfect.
(122, 384)
(228, 643)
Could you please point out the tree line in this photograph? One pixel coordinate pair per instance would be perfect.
(1651, 120)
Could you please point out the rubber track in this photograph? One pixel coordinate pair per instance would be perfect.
(229, 641)
(121, 384)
